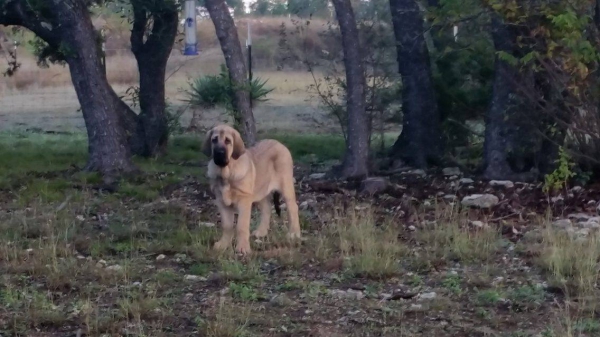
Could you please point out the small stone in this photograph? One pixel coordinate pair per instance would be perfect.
(194, 278)
(451, 171)
(562, 223)
(480, 200)
(350, 294)
(115, 267)
(502, 183)
(478, 224)
(303, 205)
(427, 296)
(576, 189)
(137, 284)
(449, 197)
(102, 263)
(374, 185)
(557, 199)
(281, 300)
(415, 308)
(80, 218)
(206, 224)
(582, 233)
(161, 257)
(466, 181)
(316, 176)
(412, 228)
(417, 172)
(29, 250)
(80, 257)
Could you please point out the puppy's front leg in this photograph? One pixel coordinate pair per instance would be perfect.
(227, 217)
(243, 227)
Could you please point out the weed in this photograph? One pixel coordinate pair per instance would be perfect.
(452, 283)
(489, 297)
(243, 291)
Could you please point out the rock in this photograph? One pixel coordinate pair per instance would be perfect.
(316, 176)
(161, 257)
(194, 278)
(589, 224)
(478, 224)
(349, 294)
(412, 228)
(115, 267)
(427, 296)
(417, 172)
(281, 300)
(576, 189)
(101, 264)
(503, 183)
(449, 197)
(466, 181)
(374, 185)
(582, 233)
(557, 199)
(579, 217)
(562, 223)
(206, 224)
(80, 257)
(451, 171)
(303, 205)
(480, 200)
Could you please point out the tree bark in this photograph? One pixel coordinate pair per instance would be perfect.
(420, 142)
(356, 158)
(497, 142)
(152, 56)
(234, 59)
(69, 27)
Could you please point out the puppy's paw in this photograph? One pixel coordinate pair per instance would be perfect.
(294, 236)
(260, 233)
(243, 248)
(221, 245)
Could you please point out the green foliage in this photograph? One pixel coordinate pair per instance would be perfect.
(560, 176)
(218, 90)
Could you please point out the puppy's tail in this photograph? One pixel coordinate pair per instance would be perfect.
(277, 203)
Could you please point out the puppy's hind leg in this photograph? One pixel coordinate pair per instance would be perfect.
(265, 218)
(289, 195)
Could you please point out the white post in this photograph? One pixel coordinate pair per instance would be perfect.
(455, 31)
(191, 45)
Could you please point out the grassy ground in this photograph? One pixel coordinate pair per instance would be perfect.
(77, 261)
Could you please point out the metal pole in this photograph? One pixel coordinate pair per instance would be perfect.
(103, 33)
(249, 46)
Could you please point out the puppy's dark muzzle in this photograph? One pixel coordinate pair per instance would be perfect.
(220, 157)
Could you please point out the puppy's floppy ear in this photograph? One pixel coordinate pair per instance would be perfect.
(207, 145)
(238, 145)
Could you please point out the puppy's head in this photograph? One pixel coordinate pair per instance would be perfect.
(222, 143)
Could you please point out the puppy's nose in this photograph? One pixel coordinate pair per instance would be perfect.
(219, 151)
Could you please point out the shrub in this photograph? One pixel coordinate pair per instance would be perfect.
(214, 90)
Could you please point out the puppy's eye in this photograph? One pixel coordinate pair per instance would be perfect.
(227, 141)
(214, 140)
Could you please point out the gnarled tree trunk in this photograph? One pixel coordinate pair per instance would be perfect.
(67, 24)
(497, 119)
(356, 158)
(234, 59)
(152, 56)
(420, 142)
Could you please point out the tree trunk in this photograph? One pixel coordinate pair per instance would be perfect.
(497, 125)
(152, 56)
(108, 150)
(234, 59)
(420, 142)
(356, 158)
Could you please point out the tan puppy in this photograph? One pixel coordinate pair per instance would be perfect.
(240, 177)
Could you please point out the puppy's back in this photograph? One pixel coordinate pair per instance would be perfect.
(270, 154)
